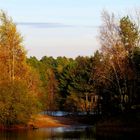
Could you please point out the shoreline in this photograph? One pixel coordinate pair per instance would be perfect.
(43, 121)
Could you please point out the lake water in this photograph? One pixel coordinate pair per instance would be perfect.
(65, 133)
(78, 132)
(64, 113)
(73, 132)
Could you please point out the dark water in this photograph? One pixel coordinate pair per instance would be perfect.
(66, 133)
(73, 132)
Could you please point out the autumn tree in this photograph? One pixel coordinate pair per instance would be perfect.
(51, 91)
(118, 40)
(18, 100)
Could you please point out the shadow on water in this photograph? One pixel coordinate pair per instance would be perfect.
(117, 136)
(73, 132)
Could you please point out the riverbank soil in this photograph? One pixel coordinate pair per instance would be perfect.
(45, 121)
(42, 121)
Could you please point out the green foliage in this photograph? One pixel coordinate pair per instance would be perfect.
(129, 33)
(74, 103)
(16, 103)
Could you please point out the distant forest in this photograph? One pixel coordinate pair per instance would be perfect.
(106, 83)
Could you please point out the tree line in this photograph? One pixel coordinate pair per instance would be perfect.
(106, 83)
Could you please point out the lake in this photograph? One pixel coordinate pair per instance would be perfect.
(73, 132)
(64, 133)
(64, 113)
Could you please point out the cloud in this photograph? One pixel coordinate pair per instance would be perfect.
(53, 25)
(44, 25)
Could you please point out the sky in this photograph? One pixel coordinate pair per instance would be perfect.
(62, 27)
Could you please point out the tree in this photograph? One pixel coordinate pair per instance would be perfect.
(52, 91)
(11, 47)
(135, 63)
(17, 105)
(77, 85)
(118, 38)
(129, 33)
(18, 97)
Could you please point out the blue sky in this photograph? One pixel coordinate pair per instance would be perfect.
(62, 27)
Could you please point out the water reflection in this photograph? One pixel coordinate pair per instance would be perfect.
(64, 113)
(68, 133)
(74, 132)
